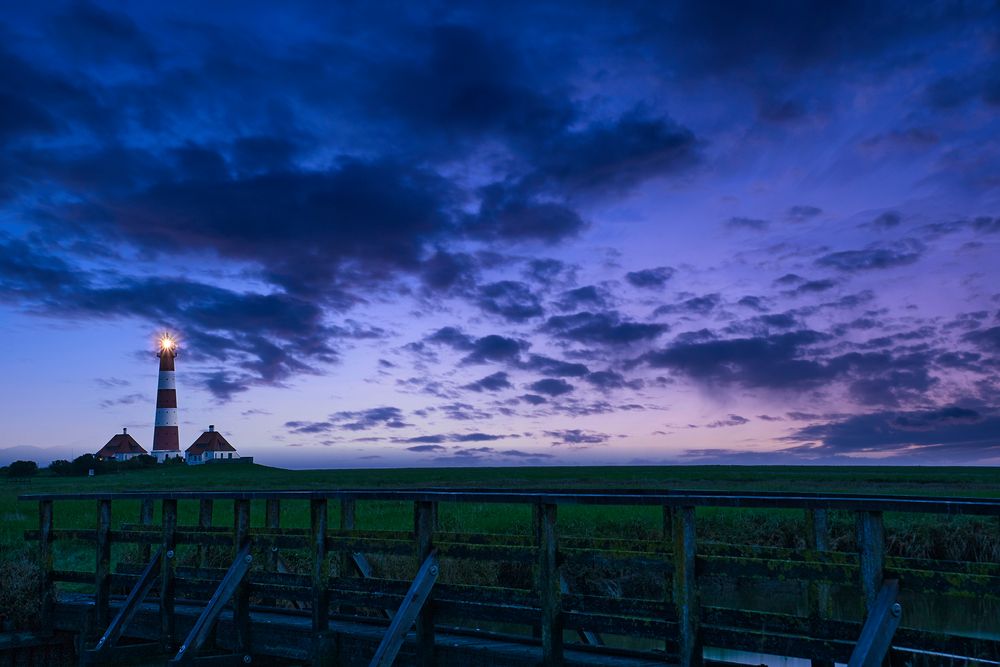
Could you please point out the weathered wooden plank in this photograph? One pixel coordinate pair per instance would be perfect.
(423, 529)
(602, 604)
(203, 626)
(272, 523)
(588, 637)
(47, 592)
(146, 521)
(241, 595)
(168, 544)
(630, 626)
(738, 620)
(820, 600)
(548, 584)
(409, 611)
(320, 654)
(102, 568)
(685, 587)
(668, 569)
(680, 498)
(876, 636)
(73, 576)
(871, 555)
(797, 646)
(205, 511)
(757, 568)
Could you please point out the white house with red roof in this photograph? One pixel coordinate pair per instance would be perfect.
(210, 446)
(121, 447)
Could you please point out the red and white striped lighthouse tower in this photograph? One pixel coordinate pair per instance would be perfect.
(166, 440)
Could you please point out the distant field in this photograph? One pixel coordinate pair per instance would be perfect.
(16, 516)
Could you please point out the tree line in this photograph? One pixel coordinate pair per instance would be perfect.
(82, 465)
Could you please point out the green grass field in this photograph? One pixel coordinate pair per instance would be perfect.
(17, 516)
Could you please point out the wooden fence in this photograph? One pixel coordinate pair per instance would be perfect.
(316, 596)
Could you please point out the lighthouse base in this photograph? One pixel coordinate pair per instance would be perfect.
(162, 456)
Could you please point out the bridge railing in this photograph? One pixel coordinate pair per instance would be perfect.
(321, 569)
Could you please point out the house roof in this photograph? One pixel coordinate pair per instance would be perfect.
(210, 441)
(120, 443)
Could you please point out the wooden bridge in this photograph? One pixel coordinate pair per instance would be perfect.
(316, 595)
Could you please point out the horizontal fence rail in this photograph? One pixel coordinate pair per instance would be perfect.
(326, 593)
(847, 502)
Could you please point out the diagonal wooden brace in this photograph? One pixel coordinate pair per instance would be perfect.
(876, 635)
(364, 568)
(227, 587)
(407, 613)
(110, 638)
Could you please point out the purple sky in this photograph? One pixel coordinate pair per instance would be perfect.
(550, 233)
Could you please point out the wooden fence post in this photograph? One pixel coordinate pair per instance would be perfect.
(45, 556)
(205, 509)
(685, 587)
(871, 555)
(102, 569)
(272, 519)
(321, 654)
(169, 523)
(668, 575)
(819, 597)
(424, 514)
(347, 519)
(549, 591)
(145, 520)
(241, 597)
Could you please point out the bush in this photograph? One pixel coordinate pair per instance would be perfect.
(22, 469)
(139, 462)
(20, 582)
(61, 467)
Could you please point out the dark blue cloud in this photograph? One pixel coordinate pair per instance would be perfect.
(588, 296)
(850, 261)
(650, 278)
(604, 328)
(577, 437)
(731, 420)
(698, 305)
(551, 387)
(511, 300)
(606, 380)
(362, 420)
(549, 366)
(776, 361)
(986, 339)
(495, 382)
(951, 433)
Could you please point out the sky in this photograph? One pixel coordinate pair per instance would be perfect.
(566, 233)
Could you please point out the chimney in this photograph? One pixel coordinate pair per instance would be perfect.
(211, 427)
(124, 431)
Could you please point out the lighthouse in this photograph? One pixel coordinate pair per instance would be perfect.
(166, 440)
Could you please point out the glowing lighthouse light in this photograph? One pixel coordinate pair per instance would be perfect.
(166, 439)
